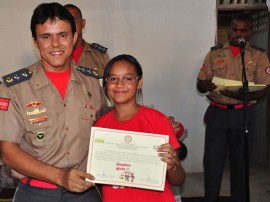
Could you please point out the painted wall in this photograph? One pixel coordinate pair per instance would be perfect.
(169, 38)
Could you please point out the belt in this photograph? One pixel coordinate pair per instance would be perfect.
(229, 106)
(38, 183)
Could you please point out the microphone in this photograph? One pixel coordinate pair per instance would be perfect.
(241, 43)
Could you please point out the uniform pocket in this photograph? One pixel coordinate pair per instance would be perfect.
(38, 129)
(208, 114)
(219, 69)
(88, 114)
(250, 69)
(88, 117)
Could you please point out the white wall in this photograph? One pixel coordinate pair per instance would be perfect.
(169, 38)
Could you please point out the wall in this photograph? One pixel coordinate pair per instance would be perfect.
(169, 38)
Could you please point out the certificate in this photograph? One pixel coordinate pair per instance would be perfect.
(233, 85)
(126, 158)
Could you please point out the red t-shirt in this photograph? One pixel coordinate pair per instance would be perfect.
(235, 50)
(76, 54)
(60, 80)
(146, 120)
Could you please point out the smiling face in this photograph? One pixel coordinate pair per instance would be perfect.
(120, 92)
(55, 42)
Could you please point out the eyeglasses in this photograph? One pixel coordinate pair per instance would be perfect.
(127, 80)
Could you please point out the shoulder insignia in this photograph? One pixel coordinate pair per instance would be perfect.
(257, 47)
(88, 72)
(99, 47)
(17, 77)
(217, 47)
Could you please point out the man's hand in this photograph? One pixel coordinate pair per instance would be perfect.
(74, 180)
(238, 95)
(205, 85)
(231, 94)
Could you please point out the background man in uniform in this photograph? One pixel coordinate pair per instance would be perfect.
(46, 112)
(224, 116)
(90, 55)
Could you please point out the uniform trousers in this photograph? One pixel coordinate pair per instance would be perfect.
(28, 193)
(224, 137)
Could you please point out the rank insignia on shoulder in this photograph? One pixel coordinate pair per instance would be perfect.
(99, 47)
(17, 77)
(88, 72)
(257, 47)
(217, 47)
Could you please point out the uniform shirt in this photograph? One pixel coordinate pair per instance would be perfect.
(53, 130)
(146, 120)
(94, 58)
(221, 63)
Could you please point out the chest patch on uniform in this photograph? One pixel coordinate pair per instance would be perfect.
(17, 77)
(88, 72)
(4, 102)
(267, 70)
(99, 47)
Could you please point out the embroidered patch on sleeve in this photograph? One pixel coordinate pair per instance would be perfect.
(4, 102)
(202, 67)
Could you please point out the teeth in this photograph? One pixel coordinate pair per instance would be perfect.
(57, 53)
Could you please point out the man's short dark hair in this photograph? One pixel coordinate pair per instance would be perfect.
(242, 17)
(75, 7)
(51, 11)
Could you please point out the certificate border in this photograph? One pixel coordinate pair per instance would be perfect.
(159, 187)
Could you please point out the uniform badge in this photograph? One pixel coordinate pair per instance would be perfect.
(36, 111)
(38, 119)
(90, 107)
(267, 70)
(33, 104)
(40, 136)
(17, 77)
(4, 102)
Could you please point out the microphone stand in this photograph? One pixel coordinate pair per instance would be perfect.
(246, 97)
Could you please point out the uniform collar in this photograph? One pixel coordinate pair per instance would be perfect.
(247, 47)
(41, 79)
(75, 75)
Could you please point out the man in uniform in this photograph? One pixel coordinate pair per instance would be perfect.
(46, 112)
(224, 117)
(93, 56)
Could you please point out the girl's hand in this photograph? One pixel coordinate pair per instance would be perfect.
(168, 155)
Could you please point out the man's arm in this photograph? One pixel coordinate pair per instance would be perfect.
(256, 95)
(72, 180)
